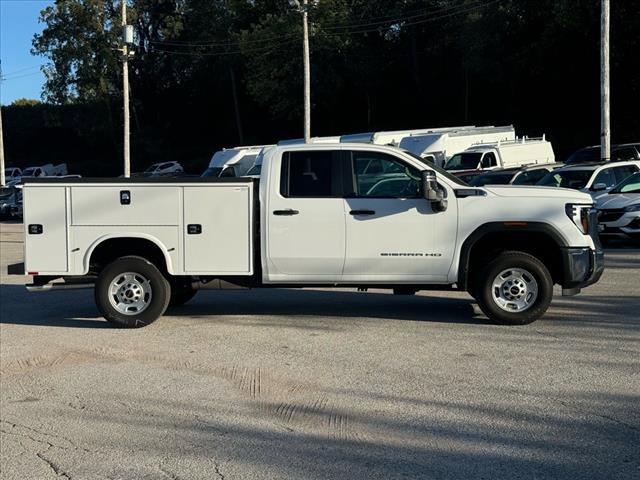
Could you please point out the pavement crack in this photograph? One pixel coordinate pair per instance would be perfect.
(217, 471)
(48, 438)
(55, 468)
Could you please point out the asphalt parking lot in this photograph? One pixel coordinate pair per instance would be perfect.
(313, 384)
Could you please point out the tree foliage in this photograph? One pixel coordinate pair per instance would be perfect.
(212, 73)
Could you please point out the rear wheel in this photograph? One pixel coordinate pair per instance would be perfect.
(131, 292)
(515, 288)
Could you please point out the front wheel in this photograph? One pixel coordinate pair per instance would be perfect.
(131, 292)
(515, 288)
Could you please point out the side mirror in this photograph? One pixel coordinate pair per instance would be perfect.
(598, 187)
(432, 192)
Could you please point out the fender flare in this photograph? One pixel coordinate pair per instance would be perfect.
(111, 236)
(492, 227)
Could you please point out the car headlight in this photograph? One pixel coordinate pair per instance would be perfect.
(633, 208)
(579, 214)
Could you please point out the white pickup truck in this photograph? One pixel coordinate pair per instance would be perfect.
(321, 215)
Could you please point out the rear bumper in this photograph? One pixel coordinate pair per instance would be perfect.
(582, 267)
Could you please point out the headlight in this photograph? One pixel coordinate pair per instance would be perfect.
(633, 208)
(579, 214)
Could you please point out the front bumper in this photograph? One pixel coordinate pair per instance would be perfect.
(582, 267)
(627, 224)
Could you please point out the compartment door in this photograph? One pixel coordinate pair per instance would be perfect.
(218, 230)
(45, 223)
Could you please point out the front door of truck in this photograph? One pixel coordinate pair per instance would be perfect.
(305, 218)
(392, 233)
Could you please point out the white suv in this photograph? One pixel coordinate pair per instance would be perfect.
(594, 178)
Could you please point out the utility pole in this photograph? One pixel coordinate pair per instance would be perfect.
(605, 121)
(307, 71)
(126, 36)
(3, 180)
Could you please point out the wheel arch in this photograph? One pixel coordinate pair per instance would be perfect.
(534, 237)
(111, 246)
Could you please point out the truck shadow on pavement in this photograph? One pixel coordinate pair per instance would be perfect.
(308, 309)
(55, 307)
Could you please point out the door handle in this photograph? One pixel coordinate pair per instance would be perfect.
(362, 212)
(288, 211)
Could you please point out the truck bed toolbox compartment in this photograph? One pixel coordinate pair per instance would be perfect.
(125, 205)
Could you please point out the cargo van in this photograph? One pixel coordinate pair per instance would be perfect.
(515, 153)
(394, 137)
(438, 147)
(232, 162)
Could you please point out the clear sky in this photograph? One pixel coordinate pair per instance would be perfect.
(20, 70)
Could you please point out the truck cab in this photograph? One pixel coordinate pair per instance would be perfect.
(333, 215)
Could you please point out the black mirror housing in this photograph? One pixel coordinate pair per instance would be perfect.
(432, 191)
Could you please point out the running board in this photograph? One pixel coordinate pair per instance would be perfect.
(47, 287)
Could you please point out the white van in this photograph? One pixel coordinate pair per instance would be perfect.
(515, 153)
(232, 162)
(438, 147)
(394, 137)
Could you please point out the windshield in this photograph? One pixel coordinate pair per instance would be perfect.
(463, 161)
(440, 171)
(492, 179)
(152, 168)
(629, 185)
(212, 172)
(255, 170)
(575, 179)
(29, 171)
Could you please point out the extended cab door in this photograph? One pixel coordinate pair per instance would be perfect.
(393, 234)
(305, 218)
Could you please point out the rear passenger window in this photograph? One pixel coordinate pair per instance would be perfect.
(626, 153)
(605, 176)
(309, 174)
(623, 172)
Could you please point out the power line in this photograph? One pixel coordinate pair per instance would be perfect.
(406, 20)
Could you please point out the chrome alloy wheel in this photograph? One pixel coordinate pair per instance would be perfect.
(130, 293)
(514, 290)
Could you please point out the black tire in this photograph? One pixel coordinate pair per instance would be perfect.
(484, 292)
(181, 293)
(159, 292)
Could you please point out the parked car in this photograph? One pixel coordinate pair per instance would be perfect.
(516, 153)
(48, 170)
(619, 209)
(164, 169)
(621, 152)
(593, 178)
(529, 175)
(12, 174)
(11, 202)
(7, 199)
(321, 216)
